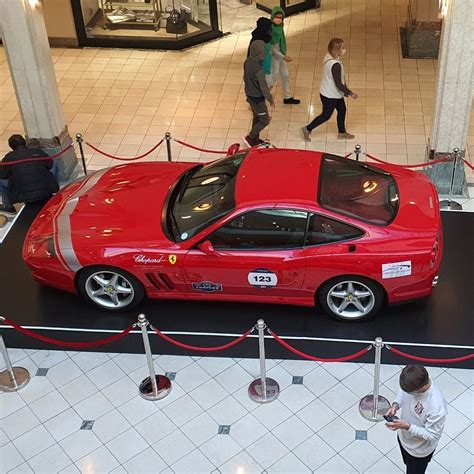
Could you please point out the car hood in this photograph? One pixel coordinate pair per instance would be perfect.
(119, 206)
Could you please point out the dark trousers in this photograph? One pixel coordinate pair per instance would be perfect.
(414, 465)
(260, 117)
(328, 108)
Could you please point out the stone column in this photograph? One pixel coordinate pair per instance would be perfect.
(27, 50)
(454, 92)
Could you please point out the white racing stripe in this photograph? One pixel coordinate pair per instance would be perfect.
(65, 250)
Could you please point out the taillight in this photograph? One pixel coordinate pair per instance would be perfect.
(435, 251)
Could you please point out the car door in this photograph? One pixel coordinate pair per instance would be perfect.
(257, 254)
(332, 249)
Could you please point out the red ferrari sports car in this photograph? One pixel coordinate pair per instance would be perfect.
(264, 225)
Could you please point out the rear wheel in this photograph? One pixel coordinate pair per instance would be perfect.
(110, 288)
(350, 298)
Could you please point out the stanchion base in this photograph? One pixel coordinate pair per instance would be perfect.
(366, 407)
(146, 388)
(22, 377)
(256, 394)
(450, 206)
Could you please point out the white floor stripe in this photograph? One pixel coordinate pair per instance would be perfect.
(218, 334)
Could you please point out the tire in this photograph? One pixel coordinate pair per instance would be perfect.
(363, 298)
(110, 288)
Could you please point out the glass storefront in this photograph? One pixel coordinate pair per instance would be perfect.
(169, 24)
(289, 6)
(161, 24)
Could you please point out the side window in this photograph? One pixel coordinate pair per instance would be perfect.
(263, 229)
(323, 230)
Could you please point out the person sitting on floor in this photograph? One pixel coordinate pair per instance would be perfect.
(25, 182)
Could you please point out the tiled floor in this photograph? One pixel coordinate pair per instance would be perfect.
(125, 100)
(84, 414)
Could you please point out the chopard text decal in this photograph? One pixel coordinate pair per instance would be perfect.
(140, 258)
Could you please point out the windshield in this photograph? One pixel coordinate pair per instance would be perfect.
(203, 195)
(357, 190)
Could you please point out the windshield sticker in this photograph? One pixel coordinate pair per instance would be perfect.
(172, 259)
(262, 278)
(398, 269)
(140, 258)
(207, 286)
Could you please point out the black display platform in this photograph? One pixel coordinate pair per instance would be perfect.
(442, 322)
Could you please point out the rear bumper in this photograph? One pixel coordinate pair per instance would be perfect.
(419, 289)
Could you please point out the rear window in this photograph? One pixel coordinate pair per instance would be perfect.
(357, 190)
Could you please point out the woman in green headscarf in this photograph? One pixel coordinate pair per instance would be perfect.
(279, 57)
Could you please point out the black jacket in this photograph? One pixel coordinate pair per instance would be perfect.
(263, 32)
(28, 182)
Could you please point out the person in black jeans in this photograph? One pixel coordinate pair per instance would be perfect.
(25, 182)
(332, 92)
(257, 92)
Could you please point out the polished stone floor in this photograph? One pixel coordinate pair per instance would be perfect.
(81, 412)
(123, 101)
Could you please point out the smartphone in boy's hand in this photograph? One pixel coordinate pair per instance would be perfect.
(391, 418)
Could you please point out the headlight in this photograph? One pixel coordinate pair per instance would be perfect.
(41, 247)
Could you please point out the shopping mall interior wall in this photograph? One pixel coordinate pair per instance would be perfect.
(89, 9)
(59, 23)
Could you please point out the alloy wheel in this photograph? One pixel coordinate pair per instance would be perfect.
(350, 299)
(109, 289)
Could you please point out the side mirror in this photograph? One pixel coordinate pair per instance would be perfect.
(207, 248)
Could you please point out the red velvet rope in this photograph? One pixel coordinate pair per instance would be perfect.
(468, 164)
(45, 158)
(349, 154)
(205, 150)
(121, 158)
(428, 163)
(78, 345)
(202, 349)
(233, 149)
(420, 165)
(425, 359)
(318, 359)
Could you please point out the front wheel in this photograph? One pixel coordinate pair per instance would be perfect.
(110, 288)
(351, 298)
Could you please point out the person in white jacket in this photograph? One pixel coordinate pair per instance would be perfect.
(332, 91)
(423, 413)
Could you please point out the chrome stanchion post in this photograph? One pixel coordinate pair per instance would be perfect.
(449, 204)
(79, 140)
(373, 406)
(266, 143)
(154, 387)
(263, 389)
(13, 378)
(357, 150)
(168, 144)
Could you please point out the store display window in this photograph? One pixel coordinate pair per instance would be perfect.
(167, 24)
(289, 6)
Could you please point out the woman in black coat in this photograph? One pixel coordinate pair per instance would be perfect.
(25, 182)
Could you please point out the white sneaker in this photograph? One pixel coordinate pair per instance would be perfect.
(305, 134)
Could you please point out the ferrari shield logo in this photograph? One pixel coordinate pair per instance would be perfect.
(172, 259)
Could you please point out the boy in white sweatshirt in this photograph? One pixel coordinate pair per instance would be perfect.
(423, 413)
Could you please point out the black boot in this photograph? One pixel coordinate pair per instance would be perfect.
(292, 101)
